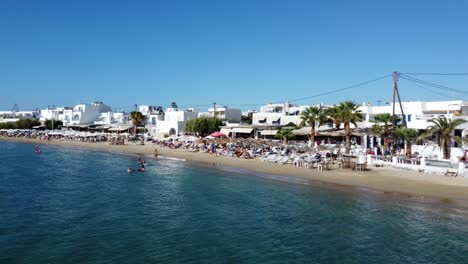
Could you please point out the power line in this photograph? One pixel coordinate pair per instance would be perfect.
(427, 89)
(418, 73)
(318, 95)
(434, 85)
(341, 89)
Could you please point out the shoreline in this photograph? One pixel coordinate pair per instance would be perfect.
(385, 180)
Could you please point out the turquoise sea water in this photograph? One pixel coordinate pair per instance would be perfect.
(78, 206)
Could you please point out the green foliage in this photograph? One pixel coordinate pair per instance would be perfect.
(203, 126)
(442, 128)
(348, 113)
(8, 125)
(310, 116)
(285, 134)
(26, 123)
(407, 134)
(383, 124)
(291, 125)
(56, 124)
(137, 118)
(333, 116)
(247, 119)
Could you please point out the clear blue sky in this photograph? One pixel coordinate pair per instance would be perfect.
(229, 52)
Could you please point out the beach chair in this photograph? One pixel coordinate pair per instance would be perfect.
(453, 173)
(269, 157)
(284, 160)
(277, 159)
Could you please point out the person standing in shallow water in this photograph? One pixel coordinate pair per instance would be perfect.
(156, 153)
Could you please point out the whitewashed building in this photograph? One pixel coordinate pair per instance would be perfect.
(417, 114)
(278, 114)
(82, 114)
(224, 113)
(174, 121)
(154, 114)
(13, 116)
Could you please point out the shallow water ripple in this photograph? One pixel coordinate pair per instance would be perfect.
(78, 206)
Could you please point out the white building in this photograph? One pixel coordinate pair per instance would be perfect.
(154, 114)
(174, 121)
(417, 114)
(224, 113)
(278, 114)
(94, 113)
(13, 116)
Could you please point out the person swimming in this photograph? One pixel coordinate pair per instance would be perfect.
(141, 162)
(37, 149)
(141, 169)
(130, 169)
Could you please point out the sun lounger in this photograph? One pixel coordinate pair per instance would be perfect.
(453, 173)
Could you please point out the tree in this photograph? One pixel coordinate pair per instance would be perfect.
(247, 119)
(203, 126)
(137, 117)
(52, 124)
(442, 128)
(383, 127)
(285, 134)
(310, 116)
(409, 135)
(8, 125)
(348, 113)
(28, 123)
(333, 115)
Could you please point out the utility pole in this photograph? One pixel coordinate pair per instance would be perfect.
(214, 110)
(396, 93)
(53, 110)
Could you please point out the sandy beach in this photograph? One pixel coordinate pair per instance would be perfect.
(387, 180)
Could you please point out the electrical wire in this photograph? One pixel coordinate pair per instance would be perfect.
(325, 93)
(427, 89)
(434, 85)
(418, 73)
(342, 89)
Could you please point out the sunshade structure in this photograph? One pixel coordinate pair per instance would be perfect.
(358, 132)
(272, 132)
(119, 128)
(217, 134)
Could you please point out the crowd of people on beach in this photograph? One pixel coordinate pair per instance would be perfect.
(60, 135)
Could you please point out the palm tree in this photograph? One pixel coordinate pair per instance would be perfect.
(310, 116)
(408, 135)
(383, 127)
(333, 115)
(348, 113)
(285, 134)
(442, 128)
(137, 117)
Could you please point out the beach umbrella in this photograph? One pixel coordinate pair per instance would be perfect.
(217, 134)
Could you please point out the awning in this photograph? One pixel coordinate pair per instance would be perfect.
(122, 128)
(99, 128)
(226, 131)
(79, 126)
(243, 130)
(269, 132)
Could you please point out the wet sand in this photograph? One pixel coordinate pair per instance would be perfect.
(387, 180)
